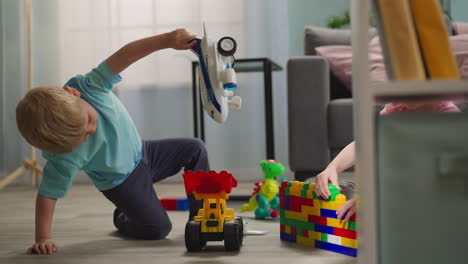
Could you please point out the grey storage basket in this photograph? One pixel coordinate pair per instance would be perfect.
(422, 178)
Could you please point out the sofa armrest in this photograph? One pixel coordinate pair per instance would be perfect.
(308, 99)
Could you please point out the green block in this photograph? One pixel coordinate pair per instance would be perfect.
(284, 221)
(333, 192)
(304, 190)
(324, 237)
(352, 226)
(308, 226)
(282, 213)
(299, 231)
(314, 195)
(286, 191)
(298, 224)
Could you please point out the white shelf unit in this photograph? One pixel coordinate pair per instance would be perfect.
(365, 97)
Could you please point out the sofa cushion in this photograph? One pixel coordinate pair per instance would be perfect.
(459, 45)
(460, 28)
(340, 60)
(318, 36)
(340, 122)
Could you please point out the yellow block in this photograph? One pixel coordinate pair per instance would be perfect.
(312, 187)
(296, 188)
(315, 235)
(329, 205)
(306, 241)
(287, 229)
(347, 242)
(296, 216)
(310, 210)
(337, 223)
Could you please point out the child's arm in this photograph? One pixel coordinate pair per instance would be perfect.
(178, 39)
(344, 160)
(44, 213)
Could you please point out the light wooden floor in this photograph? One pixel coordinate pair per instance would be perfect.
(84, 232)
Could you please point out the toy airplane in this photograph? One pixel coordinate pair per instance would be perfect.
(216, 76)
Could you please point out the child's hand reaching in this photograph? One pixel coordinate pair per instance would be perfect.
(349, 207)
(181, 39)
(328, 176)
(43, 246)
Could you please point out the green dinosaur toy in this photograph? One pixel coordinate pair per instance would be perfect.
(264, 199)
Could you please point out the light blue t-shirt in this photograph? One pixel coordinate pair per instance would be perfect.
(110, 154)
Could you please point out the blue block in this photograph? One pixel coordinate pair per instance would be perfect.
(288, 237)
(182, 204)
(336, 248)
(286, 203)
(328, 213)
(324, 229)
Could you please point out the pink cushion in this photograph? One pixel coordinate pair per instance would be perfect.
(459, 45)
(460, 27)
(340, 59)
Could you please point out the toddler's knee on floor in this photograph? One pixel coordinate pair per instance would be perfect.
(158, 232)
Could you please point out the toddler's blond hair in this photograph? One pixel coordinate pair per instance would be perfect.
(50, 119)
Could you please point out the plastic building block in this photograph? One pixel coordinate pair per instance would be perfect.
(175, 204)
(214, 221)
(212, 182)
(182, 204)
(336, 248)
(309, 220)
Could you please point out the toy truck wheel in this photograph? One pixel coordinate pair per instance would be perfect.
(193, 240)
(232, 237)
(240, 222)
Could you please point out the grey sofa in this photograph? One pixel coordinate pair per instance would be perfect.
(319, 106)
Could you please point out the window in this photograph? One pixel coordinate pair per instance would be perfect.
(90, 31)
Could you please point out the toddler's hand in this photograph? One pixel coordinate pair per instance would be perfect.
(43, 246)
(328, 176)
(181, 39)
(349, 207)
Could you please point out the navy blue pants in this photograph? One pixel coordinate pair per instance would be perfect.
(139, 213)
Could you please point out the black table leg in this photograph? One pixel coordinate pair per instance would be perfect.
(270, 143)
(194, 99)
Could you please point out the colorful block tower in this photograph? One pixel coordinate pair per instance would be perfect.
(312, 221)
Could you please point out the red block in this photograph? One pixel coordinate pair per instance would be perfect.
(293, 230)
(307, 201)
(169, 203)
(318, 220)
(345, 233)
(282, 228)
(295, 203)
(305, 233)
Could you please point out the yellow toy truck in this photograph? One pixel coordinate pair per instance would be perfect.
(214, 221)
